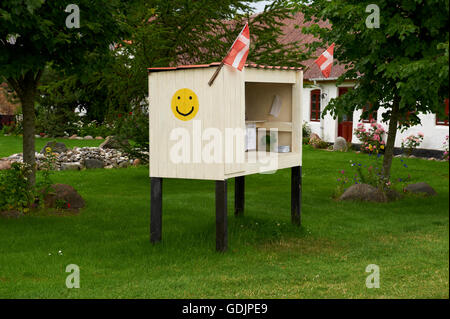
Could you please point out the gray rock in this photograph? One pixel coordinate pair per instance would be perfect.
(75, 166)
(93, 163)
(364, 192)
(112, 142)
(340, 144)
(88, 137)
(421, 188)
(55, 146)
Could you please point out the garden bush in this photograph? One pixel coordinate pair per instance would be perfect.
(15, 193)
(371, 139)
(410, 143)
(133, 127)
(306, 130)
(446, 148)
(56, 123)
(370, 173)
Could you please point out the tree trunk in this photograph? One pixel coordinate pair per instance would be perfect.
(392, 133)
(28, 135)
(26, 89)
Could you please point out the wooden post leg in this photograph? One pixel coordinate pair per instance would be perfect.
(221, 216)
(296, 195)
(239, 195)
(156, 209)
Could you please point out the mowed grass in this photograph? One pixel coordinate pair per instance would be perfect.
(13, 144)
(267, 258)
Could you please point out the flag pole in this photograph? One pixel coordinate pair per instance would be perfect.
(214, 76)
(216, 73)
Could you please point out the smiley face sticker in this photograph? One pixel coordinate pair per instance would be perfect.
(185, 104)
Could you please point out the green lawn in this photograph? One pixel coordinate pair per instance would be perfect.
(268, 257)
(13, 144)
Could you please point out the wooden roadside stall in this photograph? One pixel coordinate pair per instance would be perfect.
(245, 123)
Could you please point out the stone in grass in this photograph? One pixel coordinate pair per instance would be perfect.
(88, 137)
(93, 163)
(66, 194)
(421, 188)
(10, 214)
(340, 144)
(364, 192)
(74, 166)
(112, 142)
(4, 165)
(55, 146)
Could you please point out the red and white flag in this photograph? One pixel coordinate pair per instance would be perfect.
(325, 61)
(239, 50)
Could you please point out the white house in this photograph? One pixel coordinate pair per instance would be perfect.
(318, 91)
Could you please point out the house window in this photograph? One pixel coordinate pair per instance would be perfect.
(315, 106)
(443, 121)
(372, 116)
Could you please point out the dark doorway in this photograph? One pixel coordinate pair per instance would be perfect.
(345, 122)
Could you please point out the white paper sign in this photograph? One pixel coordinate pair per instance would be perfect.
(276, 106)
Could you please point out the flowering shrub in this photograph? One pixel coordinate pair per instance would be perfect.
(15, 194)
(306, 130)
(446, 148)
(372, 139)
(369, 173)
(412, 142)
(94, 129)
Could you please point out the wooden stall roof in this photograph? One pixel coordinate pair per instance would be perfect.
(249, 65)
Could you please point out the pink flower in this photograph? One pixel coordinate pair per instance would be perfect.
(421, 134)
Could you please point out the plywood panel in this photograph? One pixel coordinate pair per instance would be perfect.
(269, 76)
(163, 122)
(235, 115)
(297, 112)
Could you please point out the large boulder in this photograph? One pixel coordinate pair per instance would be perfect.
(72, 166)
(314, 136)
(55, 146)
(5, 164)
(93, 163)
(112, 142)
(340, 144)
(364, 192)
(10, 214)
(66, 194)
(421, 188)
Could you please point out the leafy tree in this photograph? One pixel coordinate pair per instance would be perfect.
(400, 66)
(34, 34)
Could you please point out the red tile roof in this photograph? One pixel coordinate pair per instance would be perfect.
(248, 65)
(292, 32)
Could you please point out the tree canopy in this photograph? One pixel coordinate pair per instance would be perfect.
(399, 64)
(35, 34)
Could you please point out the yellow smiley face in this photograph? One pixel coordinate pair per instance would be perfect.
(185, 104)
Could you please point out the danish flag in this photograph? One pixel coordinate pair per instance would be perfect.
(239, 50)
(325, 61)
